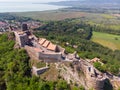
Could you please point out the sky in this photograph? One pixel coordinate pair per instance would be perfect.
(41, 1)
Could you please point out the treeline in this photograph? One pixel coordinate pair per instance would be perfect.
(15, 70)
(69, 34)
(14, 66)
(88, 9)
(105, 29)
(8, 16)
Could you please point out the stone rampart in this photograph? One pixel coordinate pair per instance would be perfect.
(94, 78)
(32, 53)
(38, 71)
(47, 57)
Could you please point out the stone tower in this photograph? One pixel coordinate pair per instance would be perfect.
(24, 27)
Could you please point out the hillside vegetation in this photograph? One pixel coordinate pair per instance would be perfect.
(8, 16)
(15, 70)
(78, 34)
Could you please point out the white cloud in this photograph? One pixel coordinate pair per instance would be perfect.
(31, 0)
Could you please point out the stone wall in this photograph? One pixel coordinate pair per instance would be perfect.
(22, 39)
(50, 57)
(47, 57)
(71, 75)
(32, 53)
(38, 71)
(94, 78)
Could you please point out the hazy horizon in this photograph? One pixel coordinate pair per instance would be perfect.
(35, 1)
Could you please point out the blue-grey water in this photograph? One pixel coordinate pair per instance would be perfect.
(23, 7)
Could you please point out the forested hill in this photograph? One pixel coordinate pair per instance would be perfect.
(101, 1)
(15, 70)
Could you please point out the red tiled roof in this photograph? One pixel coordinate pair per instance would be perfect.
(52, 47)
(42, 40)
(46, 43)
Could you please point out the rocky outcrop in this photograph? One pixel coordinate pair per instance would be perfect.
(115, 83)
(70, 75)
(83, 73)
(94, 78)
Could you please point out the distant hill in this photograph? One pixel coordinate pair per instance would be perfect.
(89, 3)
(101, 1)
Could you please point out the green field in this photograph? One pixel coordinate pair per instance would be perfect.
(107, 40)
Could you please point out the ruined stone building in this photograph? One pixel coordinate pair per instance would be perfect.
(21, 38)
(24, 27)
(95, 79)
(40, 49)
(48, 45)
(46, 51)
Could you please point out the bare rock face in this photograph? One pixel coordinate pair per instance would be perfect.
(94, 79)
(115, 83)
(71, 75)
(82, 73)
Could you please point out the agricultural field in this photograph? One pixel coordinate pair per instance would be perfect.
(108, 40)
(109, 21)
(51, 15)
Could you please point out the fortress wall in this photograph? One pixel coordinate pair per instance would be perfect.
(92, 79)
(99, 84)
(32, 53)
(115, 83)
(95, 83)
(61, 49)
(38, 71)
(43, 56)
(17, 37)
(22, 40)
(50, 57)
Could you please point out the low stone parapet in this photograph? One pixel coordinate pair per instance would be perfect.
(38, 71)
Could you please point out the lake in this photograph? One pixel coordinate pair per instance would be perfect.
(24, 7)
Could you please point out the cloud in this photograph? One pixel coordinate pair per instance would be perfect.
(31, 0)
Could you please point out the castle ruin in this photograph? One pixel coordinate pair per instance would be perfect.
(44, 50)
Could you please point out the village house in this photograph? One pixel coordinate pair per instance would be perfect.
(3, 26)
